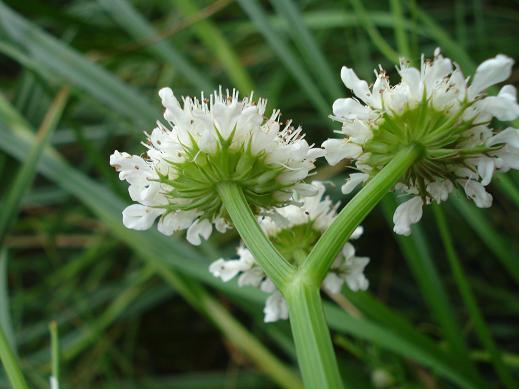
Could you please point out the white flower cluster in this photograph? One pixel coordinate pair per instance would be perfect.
(294, 230)
(209, 142)
(437, 107)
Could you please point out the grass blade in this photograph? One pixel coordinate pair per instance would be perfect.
(5, 314)
(7, 350)
(307, 45)
(448, 45)
(56, 61)
(26, 174)
(387, 338)
(418, 257)
(508, 187)
(492, 239)
(213, 39)
(10, 363)
(400, 32)
(377, 39)
(55, 355)
(470, 302)
(279, 46)
(133, 22)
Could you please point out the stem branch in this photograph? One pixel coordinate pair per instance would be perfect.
(324, 252)
(270, 260)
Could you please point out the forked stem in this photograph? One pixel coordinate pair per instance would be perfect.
(301, 285)
(335, 237)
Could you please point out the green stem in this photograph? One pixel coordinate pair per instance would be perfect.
(314, 348)
(480, 326)
(270, 260)
(311, 335)
(324, 252)
(10, 363)
(55, 354)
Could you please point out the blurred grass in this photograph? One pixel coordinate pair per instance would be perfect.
(72, 261)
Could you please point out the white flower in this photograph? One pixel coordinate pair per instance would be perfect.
(294, 229)
(208, 142)
(439, 108)
(407, 213)
(354, 180)
(348, 269)
(276, 308)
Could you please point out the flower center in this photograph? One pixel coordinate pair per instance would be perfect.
(195, 186)
(295, 242)
(441, 134)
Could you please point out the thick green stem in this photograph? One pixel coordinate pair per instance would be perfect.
(270, 260)
(311, 335)
(314, 348)
(324, 252)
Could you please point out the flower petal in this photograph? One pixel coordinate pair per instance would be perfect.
(355, 278)
(333, 282)
(176, 221)
(350, 109)
(407, 213)
(359, 87)
(354, 180)
(225, 270)
(509, 136)
(140, 217)
(440, 189)
(477, 193)
(503, 106)
(198, 230)
(339, 149)
(275, 308)
(490, 72)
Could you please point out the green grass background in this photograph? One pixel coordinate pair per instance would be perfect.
(140, 310)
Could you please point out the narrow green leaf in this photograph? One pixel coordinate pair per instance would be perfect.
(307, 45)
(377, 39)
(508, 187)
(470, 301)
(230, 327)
(24, 177)
(400, 29)
(384, 336)
(132, 21)
(280, 47)
(448, 45)
(417, 255)
(5, 314)
(7, 355)
(216, 42)
(55, 61)
(55, 354)
(497, 243)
